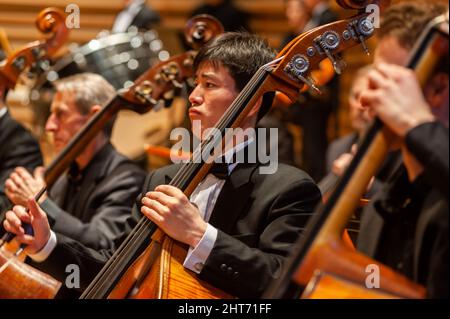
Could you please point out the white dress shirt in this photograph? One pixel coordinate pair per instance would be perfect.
(205, 196)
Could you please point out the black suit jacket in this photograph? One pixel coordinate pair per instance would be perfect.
(428, 243)
(17, 148)
(259, 217)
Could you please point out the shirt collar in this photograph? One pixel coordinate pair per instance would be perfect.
(239, 147)
(228, 156)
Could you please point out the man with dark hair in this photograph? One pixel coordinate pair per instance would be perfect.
(239, 225)
(92, 199)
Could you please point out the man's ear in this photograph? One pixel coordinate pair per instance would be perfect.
(94, 109)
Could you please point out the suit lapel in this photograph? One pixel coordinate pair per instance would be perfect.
(233, 197)
(432, 206)
(95, 172)
(58, 191)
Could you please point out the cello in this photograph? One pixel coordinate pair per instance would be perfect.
(321, 267)
(157, 272)
(18, 280)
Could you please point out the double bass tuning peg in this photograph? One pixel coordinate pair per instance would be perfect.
(143, 93)
(39, 67)
(328, 42)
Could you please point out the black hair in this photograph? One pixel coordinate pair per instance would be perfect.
(242, 54)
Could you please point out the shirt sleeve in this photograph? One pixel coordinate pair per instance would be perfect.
(197, 256)
(43, 254)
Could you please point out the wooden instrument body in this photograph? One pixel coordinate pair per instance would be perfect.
(21, 281)
(329, 286)
(168, 278)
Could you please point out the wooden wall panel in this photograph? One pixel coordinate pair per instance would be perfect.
(267, 19)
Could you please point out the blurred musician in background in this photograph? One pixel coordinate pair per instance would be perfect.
(406, 224)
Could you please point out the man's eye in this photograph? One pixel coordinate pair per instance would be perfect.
(209, 84)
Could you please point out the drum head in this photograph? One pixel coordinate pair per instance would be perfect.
(119, 58)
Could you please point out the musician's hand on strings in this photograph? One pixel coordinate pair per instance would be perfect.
(37, 218)
(395, 96)
(170, 209)
(21, 185)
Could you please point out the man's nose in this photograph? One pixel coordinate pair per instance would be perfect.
(51, 125)
(195, 98)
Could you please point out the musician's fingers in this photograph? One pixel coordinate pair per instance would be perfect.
(152, 215)
(155, 205)
(13, 224)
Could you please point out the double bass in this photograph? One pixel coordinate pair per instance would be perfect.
(321, 266)
(18, 280)
(157, 272)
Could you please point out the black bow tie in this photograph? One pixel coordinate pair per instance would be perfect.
(219, 170)
(74, 174)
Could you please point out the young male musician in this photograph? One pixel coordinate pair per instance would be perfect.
(240, 225)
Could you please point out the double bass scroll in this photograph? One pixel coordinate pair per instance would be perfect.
(36, 55)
